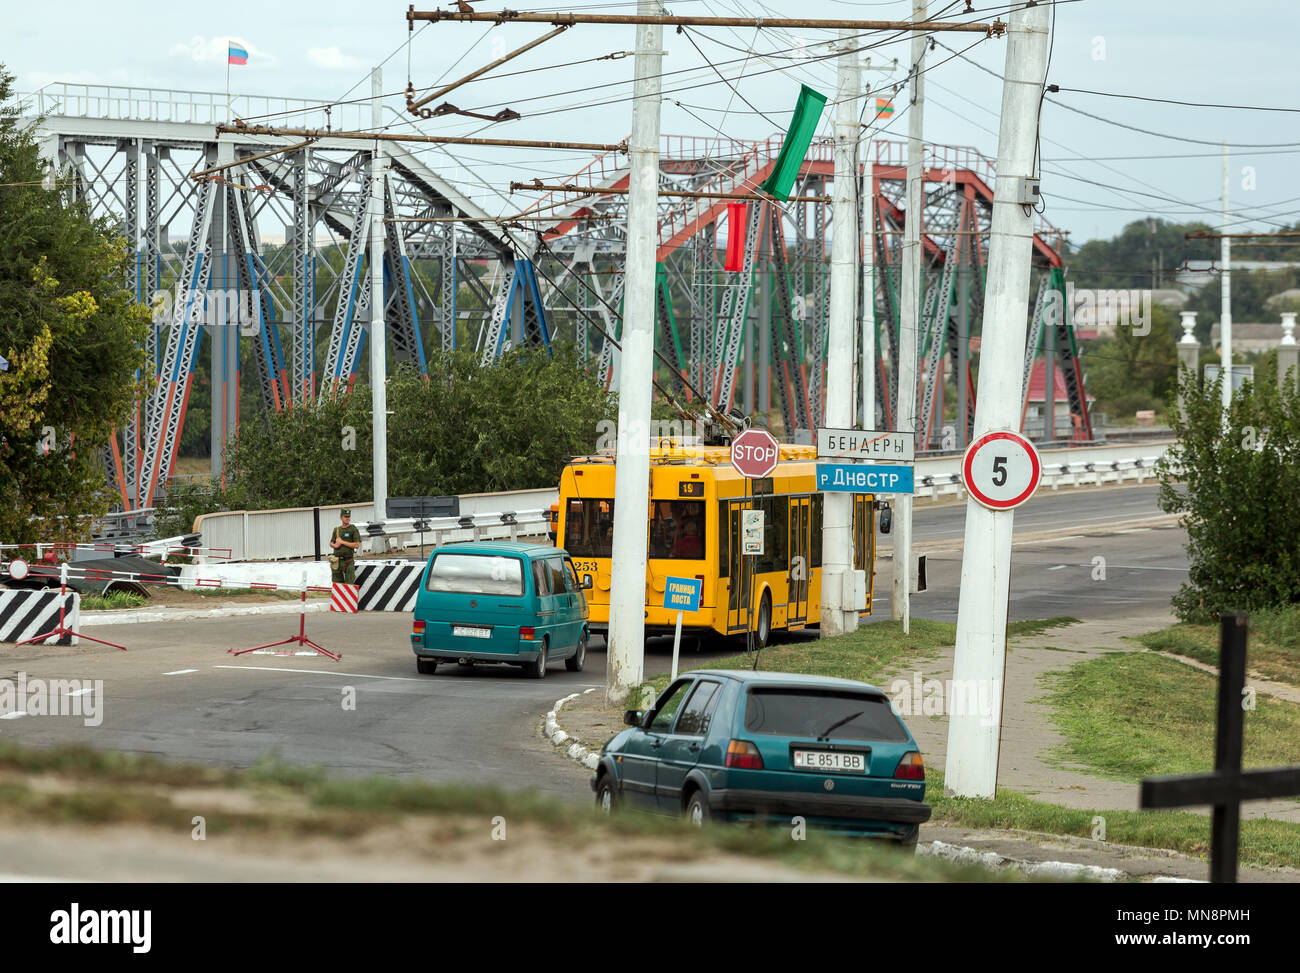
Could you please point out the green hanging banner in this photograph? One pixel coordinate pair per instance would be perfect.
(807, 113)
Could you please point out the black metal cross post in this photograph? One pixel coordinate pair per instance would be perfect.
(1228, 785)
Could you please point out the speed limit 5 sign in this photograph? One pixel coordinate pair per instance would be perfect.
(1001, 469)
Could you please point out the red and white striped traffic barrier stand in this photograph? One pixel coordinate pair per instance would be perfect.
(60, 629)
(299, 639)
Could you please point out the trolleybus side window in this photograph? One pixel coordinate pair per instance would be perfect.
(775, 534)
(724, 548)
(589, 528)
(677, 530)
(816, 530)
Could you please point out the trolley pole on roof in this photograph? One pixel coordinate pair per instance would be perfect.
(980, 655)
(839, 610)
(627, 594)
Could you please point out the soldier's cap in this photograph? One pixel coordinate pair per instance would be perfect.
(345, 512)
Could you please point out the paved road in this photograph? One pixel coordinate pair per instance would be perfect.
(1092, 573)
(177, 693)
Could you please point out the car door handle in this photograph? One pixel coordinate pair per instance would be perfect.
(656, 744)
(694, 748)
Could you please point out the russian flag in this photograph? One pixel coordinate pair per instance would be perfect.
(236, 54)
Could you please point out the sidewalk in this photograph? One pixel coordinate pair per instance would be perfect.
(1028, 734)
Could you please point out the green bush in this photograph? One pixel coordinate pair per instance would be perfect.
(1240, 478)
(185, 502)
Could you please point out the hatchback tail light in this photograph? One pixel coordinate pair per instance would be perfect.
(527, 633)
(743, 755)
(911, 767)
(418, 628)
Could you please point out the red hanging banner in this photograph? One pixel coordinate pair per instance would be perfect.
(736, 224)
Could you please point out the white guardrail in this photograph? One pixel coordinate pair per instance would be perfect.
(271, 535)
(1079, 466)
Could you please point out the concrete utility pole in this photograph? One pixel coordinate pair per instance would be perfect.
(1225, 315)
(867, 207)
(909, 312)
(838, 613)
(378, 329)
(979, 662)
(626, 651)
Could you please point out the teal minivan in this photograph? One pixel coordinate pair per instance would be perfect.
(520, 604)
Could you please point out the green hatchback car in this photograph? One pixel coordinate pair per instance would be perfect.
(765, 746)
(519, 604)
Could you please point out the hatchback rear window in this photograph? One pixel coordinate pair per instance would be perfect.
(476, 574)
(821, 714)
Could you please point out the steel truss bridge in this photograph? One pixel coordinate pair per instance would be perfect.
(270, 260)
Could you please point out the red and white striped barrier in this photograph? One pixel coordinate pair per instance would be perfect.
(167, 548)
(344, 597)
(73, 572)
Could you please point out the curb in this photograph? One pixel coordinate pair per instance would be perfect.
(552, 730)
(128, 616)
(1059, 871)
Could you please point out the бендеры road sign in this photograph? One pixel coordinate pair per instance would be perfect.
(874, 444)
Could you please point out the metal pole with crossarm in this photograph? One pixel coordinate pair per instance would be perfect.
(1228, 785)
(839, 609)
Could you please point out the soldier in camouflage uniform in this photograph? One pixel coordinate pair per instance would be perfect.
(345, 541)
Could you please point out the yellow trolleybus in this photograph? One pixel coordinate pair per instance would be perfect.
(696, 498)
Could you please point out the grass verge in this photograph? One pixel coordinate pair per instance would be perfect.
(1273, 650)
(79, 786)
(114, 599)
(1132, 715)
(1264, 843)
(1036, 626)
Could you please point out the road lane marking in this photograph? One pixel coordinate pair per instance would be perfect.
(80, 692)
(327, 672)
(1058, 567)
(1137, 567)
(180, 672)
(12, 716)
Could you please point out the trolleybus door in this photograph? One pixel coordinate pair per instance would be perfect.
(800, 559)
(864, 541)
(739, 575)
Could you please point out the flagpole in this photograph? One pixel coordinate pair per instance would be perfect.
(227, 80)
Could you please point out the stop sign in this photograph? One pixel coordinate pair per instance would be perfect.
(754, 453)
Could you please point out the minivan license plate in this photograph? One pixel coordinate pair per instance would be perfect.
(831, 760)
(471, 631)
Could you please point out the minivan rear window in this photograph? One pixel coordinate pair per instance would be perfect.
(476, 574)
(815, 714)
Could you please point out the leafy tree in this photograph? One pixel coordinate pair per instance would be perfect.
(1133, 259)
(1239, 481)
(73, 336)
(1250, 293)
(468, 428)
(1130, 371)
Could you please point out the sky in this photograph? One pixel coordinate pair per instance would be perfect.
(1096, 175)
